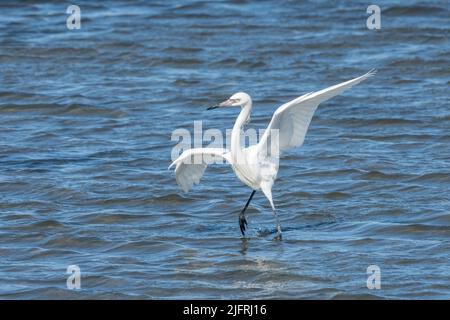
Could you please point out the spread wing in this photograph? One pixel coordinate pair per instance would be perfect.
(290, 121)
(192, 163)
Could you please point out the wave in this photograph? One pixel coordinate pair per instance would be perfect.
(60, 109)
(418, 10)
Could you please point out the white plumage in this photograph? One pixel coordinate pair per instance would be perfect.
(257, 165)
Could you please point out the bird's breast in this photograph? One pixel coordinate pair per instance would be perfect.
(247, 175)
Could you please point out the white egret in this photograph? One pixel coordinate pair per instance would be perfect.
(257, 165)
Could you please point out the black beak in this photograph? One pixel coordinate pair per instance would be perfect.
(213, 107)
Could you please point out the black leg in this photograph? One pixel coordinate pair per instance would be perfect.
(242, 220)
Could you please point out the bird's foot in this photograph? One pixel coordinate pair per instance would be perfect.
(242, 223)
(278, 237)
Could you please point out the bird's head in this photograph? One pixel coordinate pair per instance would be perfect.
(239, 99)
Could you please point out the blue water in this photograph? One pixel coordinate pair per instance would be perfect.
(85, 142)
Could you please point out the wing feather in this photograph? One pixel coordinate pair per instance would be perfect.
(191, 165)
(292, 119)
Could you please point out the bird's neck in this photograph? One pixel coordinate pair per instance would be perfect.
(236, 148)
